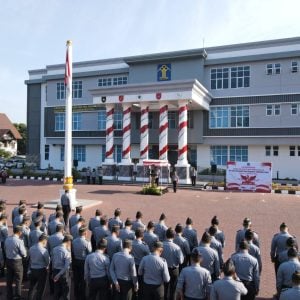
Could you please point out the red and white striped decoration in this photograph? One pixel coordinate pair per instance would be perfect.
(163, 132)
(182, 135)
(126, 132)
(144, 144)
(109, 155)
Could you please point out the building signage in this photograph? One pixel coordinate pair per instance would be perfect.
(163, 72)
(249, 176)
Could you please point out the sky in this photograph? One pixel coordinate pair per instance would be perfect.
(33, 33)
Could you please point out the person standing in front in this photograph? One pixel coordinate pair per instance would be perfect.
(15, 252)
(174, 181)
(66, 206)
(154, 270)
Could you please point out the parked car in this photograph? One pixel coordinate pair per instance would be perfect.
(11, 163)
(2, 163)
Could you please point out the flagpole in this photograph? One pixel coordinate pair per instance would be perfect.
(68, 178)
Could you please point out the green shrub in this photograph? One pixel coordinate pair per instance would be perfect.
(153, 190)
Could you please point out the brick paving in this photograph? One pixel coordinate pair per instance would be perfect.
(267, 211)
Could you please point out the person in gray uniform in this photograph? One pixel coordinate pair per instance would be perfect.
(75, 229)
(96, 272)
(220, 236)
(194, 281)
(247, 270)
(183, 243)
(253, 249)
(114, 243)
(53, 215)
(93, 223)
(286, 270)
(81, 247)
(59, 219)
(215, 244)
(126, 233)
(25, 237)
(65, 202)
(138, 223)
(15, 252)
(294, 292)
(3, 237)
(53, 241)
(228, 288)
(161, 228)
(278, 244)
(139, 250)
(39, 212)
(240, 235)
(102, 231)
(190, 234)
(154, 270)
(150, 238)
(209, 256)
(174, 258)
(74, 218)
(61, 261)
(36, 233)
(39, 262)
(19, 217)
(123, 273)
(290, 243)
(15, 211)
(116, 220)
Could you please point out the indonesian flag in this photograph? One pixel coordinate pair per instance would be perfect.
(68, 68)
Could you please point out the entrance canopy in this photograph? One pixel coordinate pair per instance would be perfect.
(155, 162)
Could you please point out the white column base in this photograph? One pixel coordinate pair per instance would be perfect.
(141, 176)
(72, 194)
(125, 170)
(109, 161)
(183, 173)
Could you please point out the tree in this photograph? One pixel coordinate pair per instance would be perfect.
(4, 154)
(22, 128)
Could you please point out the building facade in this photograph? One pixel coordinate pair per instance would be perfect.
(228, 103)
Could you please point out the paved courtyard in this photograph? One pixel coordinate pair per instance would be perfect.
(267, 211)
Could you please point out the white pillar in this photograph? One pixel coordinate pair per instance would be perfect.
(109, 155)
(182, 135)
(144, 131)
(126, 149)
(163, 132)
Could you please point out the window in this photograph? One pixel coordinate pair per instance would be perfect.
(76, 121)
(277, 109)
(298, 148)
(118, 153)
(292, 150)
(114, 80)
(59, 122)
(172, 119)
(269, 110)
(218, 154)
(294, 67)
(150, 120)
(47, 152)
(230, 116)
(294, 109)
(79, 153)
(190, 119)
(238, 153)
(77, 89)
(268, 150)
(275, 150)
(103, 152)
(118, 120)
(272, 69)
(192, 157)
(240, 77)
(101, 120)
(62, 152)
(60, 91)
(219, 78)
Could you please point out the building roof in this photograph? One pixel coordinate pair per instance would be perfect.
(6, 125)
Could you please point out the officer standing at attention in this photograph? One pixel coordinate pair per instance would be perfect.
(61, 261)
(3, 237)
(74, 218)
(126, 233)
(247, 270)
(25, 237)
(53, 215)
(253, 249)
(174, 258)
(39, 262)
(220, 236)
(138, 223)
(294, 292)
(93, 223)
(101, 232)
(278, 244)
(15, 252)
(215, 244)
(161, 227)
(114, 243)
(154, 270)
(240, 235)
(150, 238)
(194, 281)
(286, 270)
(290, 243)
(96, 272)
(57, 220)
(36, 233)
(190, 234)
(75, 229)
(123, 273)
(228, 288)
(116, 220)
(183, 244)
(81, 247)
(66, 206)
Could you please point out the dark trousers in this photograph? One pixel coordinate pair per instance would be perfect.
(93, 243)
(88, 179)
(193, 180)
(62, 286)
(139, 294)
(4, 260)
(126, 290)
(51, 282)
(276, 265)
(66, 212)
(174, 186)
(100, 179)
(157, 181)
(251, 290)
(94, 180)
(78, 277)
(38, 278)
(99, 287)
(153, 292)
(14, 274)
(170, 287)
(25, 267)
